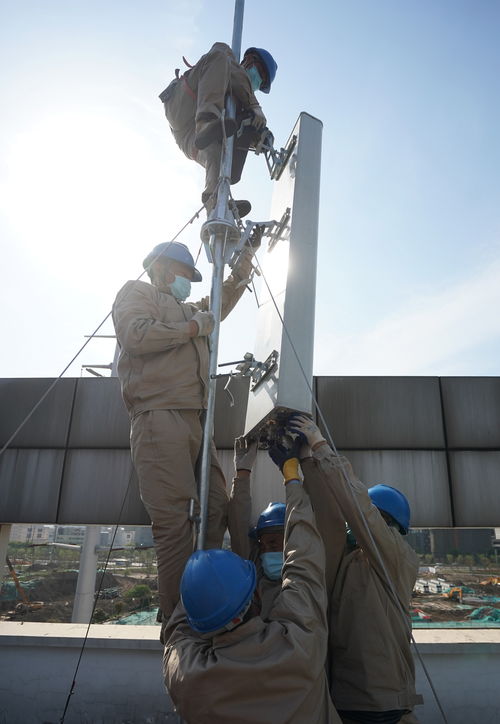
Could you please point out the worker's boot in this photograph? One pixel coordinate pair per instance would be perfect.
(243, 207)
(210, 129)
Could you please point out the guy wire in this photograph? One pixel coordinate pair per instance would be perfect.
(347, 479)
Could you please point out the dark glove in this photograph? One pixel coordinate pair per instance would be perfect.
(255, 239)
(280, 454)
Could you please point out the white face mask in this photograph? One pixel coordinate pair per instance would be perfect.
(180, 288)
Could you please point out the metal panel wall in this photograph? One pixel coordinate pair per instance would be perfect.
(382, 412)
(476, 488)
(94, 486)
(420, 474)
(472, 411)
(390, 428)
(49, 424)
(100, 418)
(30, 482)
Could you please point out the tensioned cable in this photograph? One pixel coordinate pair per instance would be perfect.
(347, 479)
(82, 649)
(96, 598)
(54, 383)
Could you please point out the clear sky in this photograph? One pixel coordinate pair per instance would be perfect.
(91, 179)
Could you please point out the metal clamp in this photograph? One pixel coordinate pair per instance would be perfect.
(262, 370)
(249, 367)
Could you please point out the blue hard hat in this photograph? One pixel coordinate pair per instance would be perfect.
(270, 65)
(216, 586)
(393, 502)
(173, 250)
(272, 517)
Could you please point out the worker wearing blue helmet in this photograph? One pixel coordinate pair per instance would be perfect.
(163, 371)
(263, 542)
(226, 663)
(194, 106)
(371, 669)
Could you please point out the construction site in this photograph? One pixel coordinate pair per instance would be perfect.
(444, 594)
(198, 526)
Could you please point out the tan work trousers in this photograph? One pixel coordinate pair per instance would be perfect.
(203, 91)
(165, 445)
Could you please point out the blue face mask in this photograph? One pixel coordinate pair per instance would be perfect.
(181, 288)
(272, 563)
(255, 78)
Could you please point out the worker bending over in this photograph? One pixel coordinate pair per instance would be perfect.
(371, 669)
(163, 371)
(222, 664)
(194, 105)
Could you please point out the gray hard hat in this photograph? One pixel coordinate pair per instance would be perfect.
(173, 250)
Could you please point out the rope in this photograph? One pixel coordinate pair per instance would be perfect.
(54, 383)
(347, 479)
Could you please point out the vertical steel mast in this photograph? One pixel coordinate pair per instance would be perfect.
(219, 234)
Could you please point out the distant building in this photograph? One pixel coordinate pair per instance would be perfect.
(73, 534)
(144, 536)
(461, 541)
(32, 533)
(420, 540)
(124, 536)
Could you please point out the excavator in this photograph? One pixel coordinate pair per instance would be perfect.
(454, 594)
(24, 605)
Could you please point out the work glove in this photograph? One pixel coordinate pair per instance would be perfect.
(307, 428)
(259, 120)
(255, 239)
(287, 458)
(205, 322)
(245, 453)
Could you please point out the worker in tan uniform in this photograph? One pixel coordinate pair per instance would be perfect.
(371, 669)
(222, 664)
(263, 543)
(163, 370)
(194, 107)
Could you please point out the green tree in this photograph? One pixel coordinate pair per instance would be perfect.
(140, 594)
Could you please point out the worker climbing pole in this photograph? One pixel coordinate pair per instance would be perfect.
(220, 235)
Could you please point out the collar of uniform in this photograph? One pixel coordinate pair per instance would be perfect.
(245, 630)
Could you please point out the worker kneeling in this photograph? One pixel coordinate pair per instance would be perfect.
(225, 664)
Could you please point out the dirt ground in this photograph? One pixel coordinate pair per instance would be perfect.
(441, 609)
(56, 590)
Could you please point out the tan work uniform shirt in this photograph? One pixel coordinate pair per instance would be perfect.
(239, 513)
(265, 672)
(330, 524)
(160, 366)
(371, 665)
(202, 89)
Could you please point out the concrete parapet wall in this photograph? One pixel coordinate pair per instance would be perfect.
(120, 681)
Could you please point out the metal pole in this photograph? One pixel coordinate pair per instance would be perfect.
(217, 244)
(85, 587)
(215, 306)
(5, 531)
(227, 160)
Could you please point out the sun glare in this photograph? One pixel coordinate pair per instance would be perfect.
(79, 182)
